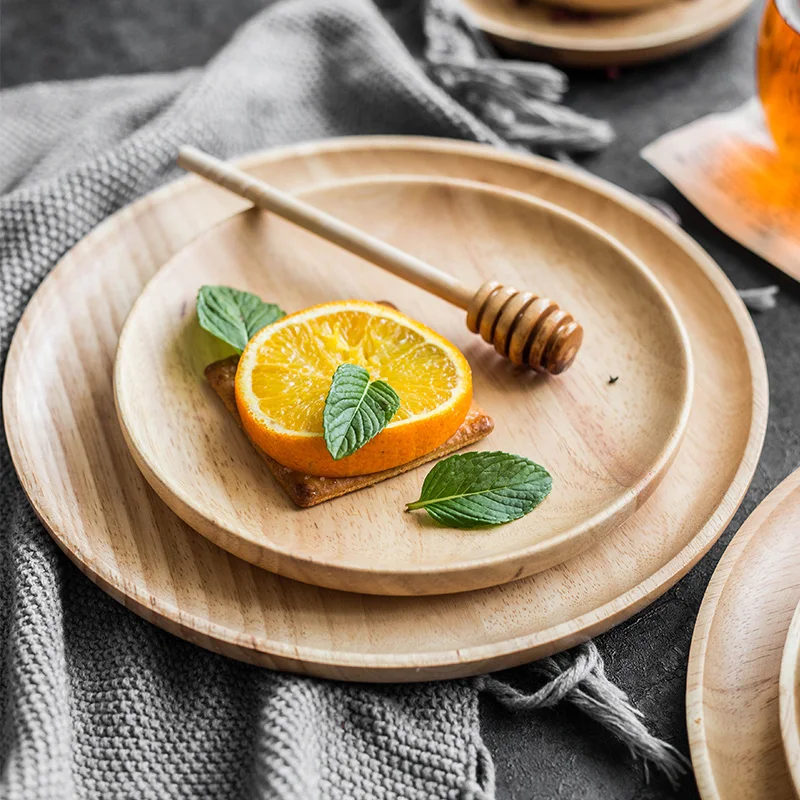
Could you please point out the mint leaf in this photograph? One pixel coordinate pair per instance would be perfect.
(356, 410)
(234, 316)
(478, 489)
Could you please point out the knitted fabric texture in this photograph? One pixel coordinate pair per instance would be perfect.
(97, 703)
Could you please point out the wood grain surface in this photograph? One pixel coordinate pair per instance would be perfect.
(534, 30)
(84, 485)
(606, 445)
(732, 685)
(525, 327)
(789, 692)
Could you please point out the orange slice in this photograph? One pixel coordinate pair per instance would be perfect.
(285, 372)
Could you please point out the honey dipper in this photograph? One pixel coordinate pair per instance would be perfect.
(522, 326)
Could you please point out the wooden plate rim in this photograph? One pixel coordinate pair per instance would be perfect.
(557, 637)
(695, 683)
(789, 698)
(167, 488)
(688, 32)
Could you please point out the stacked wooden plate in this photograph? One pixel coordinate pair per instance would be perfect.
(602, 33)
(743, 692)
(652, 436)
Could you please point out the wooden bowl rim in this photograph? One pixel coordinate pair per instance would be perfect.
(789, 698)
(735, 554)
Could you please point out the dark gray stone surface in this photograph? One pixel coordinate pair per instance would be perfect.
(555, 754)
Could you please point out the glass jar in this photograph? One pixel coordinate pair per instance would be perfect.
(778, 60)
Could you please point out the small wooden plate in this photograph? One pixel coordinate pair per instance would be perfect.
(529, 29)
(789, 691)
(75, 467)
(607, 446)
(735, 659)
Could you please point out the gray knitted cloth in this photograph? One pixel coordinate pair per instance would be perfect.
(94, 702)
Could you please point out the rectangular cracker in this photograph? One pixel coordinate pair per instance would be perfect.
(309, 490)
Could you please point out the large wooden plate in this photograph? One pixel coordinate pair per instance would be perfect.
(607, 446)
(534, 30)
(734, 663)
(75, 466)
(790, 699)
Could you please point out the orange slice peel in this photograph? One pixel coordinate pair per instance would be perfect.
(286, 369)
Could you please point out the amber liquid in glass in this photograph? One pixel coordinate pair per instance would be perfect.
(779, 74)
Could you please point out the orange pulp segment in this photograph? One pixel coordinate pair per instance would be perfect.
(285, 373)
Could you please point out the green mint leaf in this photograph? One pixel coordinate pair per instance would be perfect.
(234, 316)
(478, 489)
(356, 410)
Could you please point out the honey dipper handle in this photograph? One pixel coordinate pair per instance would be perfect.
(326, 226)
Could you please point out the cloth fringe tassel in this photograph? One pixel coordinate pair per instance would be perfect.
(762, 299)
(579, 677)
(520, 101)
